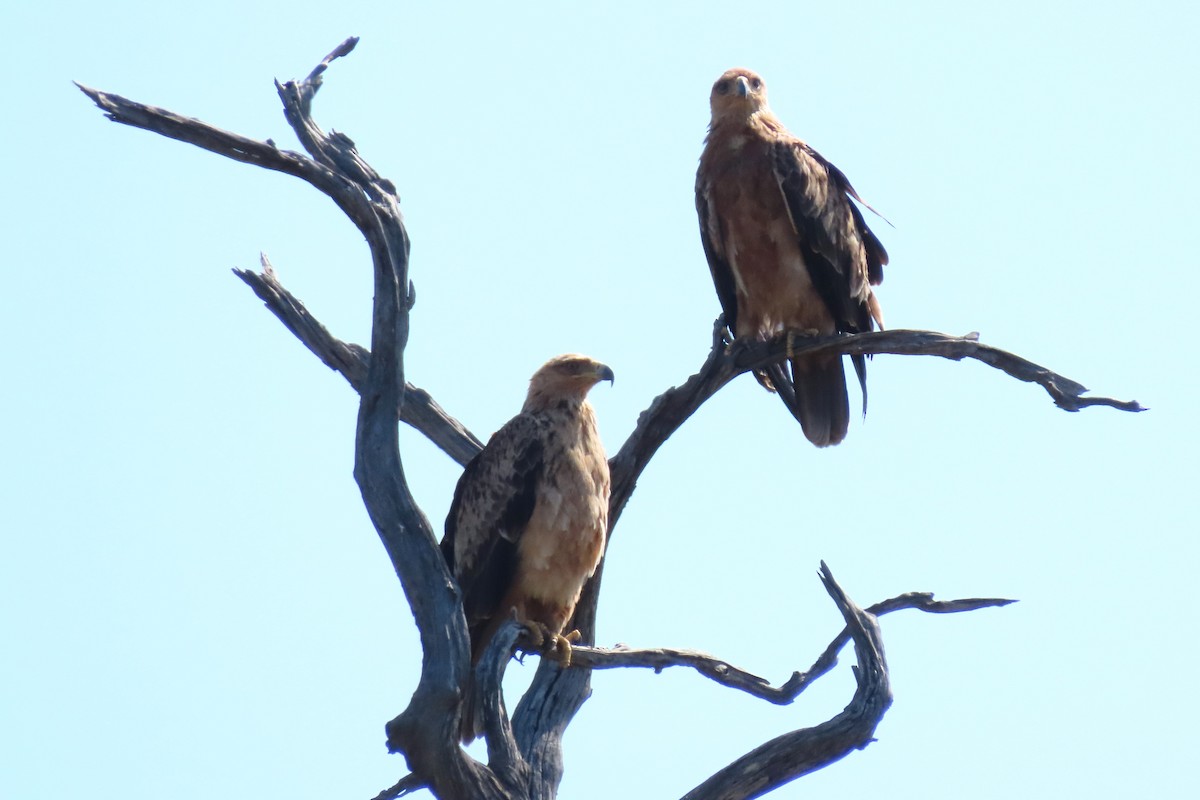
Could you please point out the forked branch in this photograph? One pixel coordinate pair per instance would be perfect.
(726, 674)
(350, 361)
(798, 753)
(525, 757)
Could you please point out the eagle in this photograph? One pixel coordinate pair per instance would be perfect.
(528, 521)
(787, 249)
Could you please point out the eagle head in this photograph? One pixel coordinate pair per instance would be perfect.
(566, 376)
(738, 94)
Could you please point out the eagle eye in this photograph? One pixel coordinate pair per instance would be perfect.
(722, 87)
(756, 83)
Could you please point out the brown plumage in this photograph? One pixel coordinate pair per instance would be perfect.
(787, 249)
(527, 524)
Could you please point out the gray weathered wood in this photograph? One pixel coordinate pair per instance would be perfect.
(525, 753)
(726, 674)
(787, 757)
(349, 360)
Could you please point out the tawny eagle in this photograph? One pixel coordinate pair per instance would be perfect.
(527, 525)
(788, 250)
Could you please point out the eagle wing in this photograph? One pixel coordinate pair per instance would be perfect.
(843, 256)
(712, 237)
(492, 504)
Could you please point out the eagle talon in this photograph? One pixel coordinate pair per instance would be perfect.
(722, 333)
(550, 644)
(792, 335)
(559, 648)
(536, 633)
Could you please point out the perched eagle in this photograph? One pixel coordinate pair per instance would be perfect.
(787, 249)
(529, 517)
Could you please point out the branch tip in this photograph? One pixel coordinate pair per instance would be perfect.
(313, 82)
(405, 786)
(1066, 393)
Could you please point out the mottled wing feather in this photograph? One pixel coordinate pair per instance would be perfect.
(846, 256)
(877, 257)
(492, 503)
(714, 251)
(843, 256)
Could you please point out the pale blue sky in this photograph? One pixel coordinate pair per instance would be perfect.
(194, 602)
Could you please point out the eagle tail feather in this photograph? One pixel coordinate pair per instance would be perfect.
(860, 369)
(816, 396)
(471, 724)
(775, 378)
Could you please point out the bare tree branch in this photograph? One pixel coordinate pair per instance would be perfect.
(727, 361)
(550, 694)
(316, 77)
(726, 674)
(407, 785)
(504, 755)
(1066, 393)
(211, 138)
(350, 360)
(794, 754)
(525, 756)
(426, 732)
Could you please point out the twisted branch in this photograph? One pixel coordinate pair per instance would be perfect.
(726, 674)
(405, 786)
(800, 752)
(419, 409)
(525, 757)
(1066, 393)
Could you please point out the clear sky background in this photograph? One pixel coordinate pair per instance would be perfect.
(193, 602)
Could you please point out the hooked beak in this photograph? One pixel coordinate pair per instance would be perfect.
(605, 373)
(743, 86)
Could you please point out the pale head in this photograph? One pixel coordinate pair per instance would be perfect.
(566, 376)
(738, 94)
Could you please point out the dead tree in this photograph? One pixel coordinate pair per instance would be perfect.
(525, 758)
